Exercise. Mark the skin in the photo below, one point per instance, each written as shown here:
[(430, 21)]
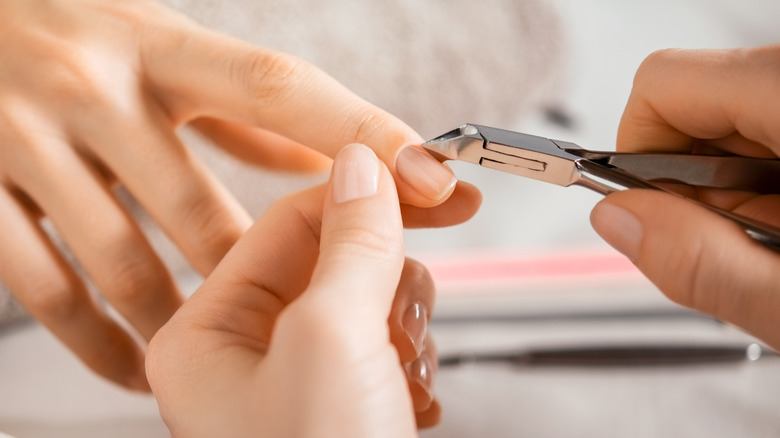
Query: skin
[(91, 94), (325, 366), (703, 101), (300, 332)]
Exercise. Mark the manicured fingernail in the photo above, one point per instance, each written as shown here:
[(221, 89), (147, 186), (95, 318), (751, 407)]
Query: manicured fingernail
[(415, 324), (355, 173), (421, 171), (619, 227), (421, 372)]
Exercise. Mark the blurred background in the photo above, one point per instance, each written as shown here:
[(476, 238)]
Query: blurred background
[(527, 272)]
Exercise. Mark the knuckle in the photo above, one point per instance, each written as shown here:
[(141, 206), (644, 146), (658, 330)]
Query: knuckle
[(215, 227), (268, 76), (32, 149), (134, 278), (374, 243), (693, 293), (74, 82), (52, 297), (371, 126), (369, 123), (714, 292)]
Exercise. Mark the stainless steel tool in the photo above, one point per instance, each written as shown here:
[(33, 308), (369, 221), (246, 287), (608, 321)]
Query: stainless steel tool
[(565, 163)]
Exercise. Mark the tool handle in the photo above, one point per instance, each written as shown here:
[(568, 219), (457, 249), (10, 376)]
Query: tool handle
[(606, 179), (757, 175)]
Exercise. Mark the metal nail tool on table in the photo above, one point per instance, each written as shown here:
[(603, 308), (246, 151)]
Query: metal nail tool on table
[(565, 164), (620, 355)]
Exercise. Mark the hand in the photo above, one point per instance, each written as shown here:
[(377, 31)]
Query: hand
[(91, 94), (702, 101), (291, 334)]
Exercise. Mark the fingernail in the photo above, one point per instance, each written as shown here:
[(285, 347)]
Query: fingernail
[(415, 324), (355, 173), (619, 227), (421, 372), (421, 171)]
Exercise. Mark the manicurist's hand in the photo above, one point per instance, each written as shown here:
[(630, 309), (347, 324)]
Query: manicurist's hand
[(91, 93), (703, 101), (312, 325)]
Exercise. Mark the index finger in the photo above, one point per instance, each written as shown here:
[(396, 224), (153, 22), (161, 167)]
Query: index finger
[(728, 97), (233, 80)]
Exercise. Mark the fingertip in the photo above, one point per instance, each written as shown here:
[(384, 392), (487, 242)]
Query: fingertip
[(423, 180), (697, 258), (460, 206), (619, 227), (470, 199)]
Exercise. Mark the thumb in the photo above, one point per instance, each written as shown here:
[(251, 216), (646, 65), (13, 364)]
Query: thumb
[(697, 258), (334, 339), (361, 245)]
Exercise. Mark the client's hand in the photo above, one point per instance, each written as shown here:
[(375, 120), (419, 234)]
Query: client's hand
[(308, 326), (91, 94), (703, 101)]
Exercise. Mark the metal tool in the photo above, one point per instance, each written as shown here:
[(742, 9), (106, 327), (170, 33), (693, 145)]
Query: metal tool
[(616, 355), (564, 163)]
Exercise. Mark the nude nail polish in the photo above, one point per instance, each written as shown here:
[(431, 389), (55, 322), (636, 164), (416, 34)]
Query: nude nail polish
[(421, 171), (355, 173), (421, 372), (415, 325)]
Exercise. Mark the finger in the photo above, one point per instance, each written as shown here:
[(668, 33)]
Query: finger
[(261, 147), (361, 246), (350, 296), (273, 263), (430, 417), (411, 311), (333, 338), (263, 88), (696, 258), (458, 208), (100, 234), (707, 94), (44, 284), (199, 215)]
